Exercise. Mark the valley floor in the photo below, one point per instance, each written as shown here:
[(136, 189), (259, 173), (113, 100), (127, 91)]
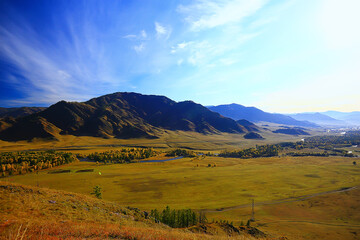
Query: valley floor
[(285, 190)]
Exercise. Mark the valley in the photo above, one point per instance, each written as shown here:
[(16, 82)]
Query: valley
[(148, 153)]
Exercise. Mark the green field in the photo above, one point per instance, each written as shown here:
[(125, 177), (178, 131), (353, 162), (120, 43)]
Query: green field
[(188, 183), (214, 183)]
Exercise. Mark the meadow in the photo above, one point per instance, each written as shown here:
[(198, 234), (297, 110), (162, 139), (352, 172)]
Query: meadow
[(168, 139), (213, 184)]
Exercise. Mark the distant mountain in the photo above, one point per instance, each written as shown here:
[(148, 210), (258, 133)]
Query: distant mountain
[(318, 118), (291, 131), (120, 115), (349, 117), (236, 112), (19, 112)]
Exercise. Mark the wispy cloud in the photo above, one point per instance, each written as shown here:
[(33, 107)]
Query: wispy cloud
[(73, 67), (139, 48), (222, 22), (141, 36), (204, 14), (162, 31)]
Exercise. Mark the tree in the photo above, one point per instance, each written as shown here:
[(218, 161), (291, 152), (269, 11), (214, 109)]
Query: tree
[(97, 192)]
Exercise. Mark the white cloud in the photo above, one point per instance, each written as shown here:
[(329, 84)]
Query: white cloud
[(204, 14), (49, 71), (162, 31), (143, 34), (139, 48), (130, 36)]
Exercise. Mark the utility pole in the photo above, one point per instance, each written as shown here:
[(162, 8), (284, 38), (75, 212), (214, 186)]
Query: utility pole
[(252, 211)]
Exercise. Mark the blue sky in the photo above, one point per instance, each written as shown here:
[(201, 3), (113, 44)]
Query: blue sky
[(280, 56)]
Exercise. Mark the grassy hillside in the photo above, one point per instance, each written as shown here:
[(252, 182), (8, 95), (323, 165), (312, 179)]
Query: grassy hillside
[(40, 213)]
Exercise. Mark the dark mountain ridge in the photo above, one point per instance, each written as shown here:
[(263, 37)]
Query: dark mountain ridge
[(236, 112), (120, 115)]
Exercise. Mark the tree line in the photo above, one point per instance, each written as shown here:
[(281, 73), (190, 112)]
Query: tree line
[(22, 162), (178, 218), (258, 151), (180, 152), (125, 155)]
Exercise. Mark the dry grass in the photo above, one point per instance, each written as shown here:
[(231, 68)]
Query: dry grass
[(168, 139), (40, 213)]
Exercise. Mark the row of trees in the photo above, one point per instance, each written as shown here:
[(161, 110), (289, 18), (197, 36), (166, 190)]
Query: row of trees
[(258, 151), (124, 155), (178, 218), (180, 152), (342, 153), (22, 162)]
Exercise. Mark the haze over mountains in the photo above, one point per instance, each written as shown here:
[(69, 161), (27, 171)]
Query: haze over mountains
[(324, 119), (253, 114), (120, 115), (318, 118)]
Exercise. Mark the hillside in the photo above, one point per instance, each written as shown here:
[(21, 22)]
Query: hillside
[(40, 213), (248, 125), (349, 117), (19, 112), (237, 111), (318, 118), (291, 131), (120, 115)]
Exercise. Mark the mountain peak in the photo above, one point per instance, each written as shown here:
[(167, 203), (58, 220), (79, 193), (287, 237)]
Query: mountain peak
[(128, 115)]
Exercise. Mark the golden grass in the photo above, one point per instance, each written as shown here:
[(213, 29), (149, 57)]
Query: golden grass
[(40, 213), (168, 139), (189, 183)]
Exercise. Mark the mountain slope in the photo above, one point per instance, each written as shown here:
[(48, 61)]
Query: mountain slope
[(19, 112), (120, 115), (318, 118), (236, 112), (349, 117)]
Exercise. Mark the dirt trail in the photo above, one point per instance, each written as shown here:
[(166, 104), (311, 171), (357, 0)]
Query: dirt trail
[(278, 201)]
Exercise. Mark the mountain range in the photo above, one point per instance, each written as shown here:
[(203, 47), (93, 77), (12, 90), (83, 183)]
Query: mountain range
[(19, 112), (253, 114), (120, 115), (318, 118), (352, 118)]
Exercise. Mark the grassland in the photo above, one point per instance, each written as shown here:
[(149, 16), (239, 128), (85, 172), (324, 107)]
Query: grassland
[(191, 183), (223, 187), (168, 139), (40, 213)]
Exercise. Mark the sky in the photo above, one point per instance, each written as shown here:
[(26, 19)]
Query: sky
[(280, 56)]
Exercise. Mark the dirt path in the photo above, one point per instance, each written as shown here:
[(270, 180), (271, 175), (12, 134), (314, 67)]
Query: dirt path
[(285, 200)]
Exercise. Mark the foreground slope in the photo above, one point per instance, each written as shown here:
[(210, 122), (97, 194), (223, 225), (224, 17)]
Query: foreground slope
[(120, 115), (237, 111), (40, 213)]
